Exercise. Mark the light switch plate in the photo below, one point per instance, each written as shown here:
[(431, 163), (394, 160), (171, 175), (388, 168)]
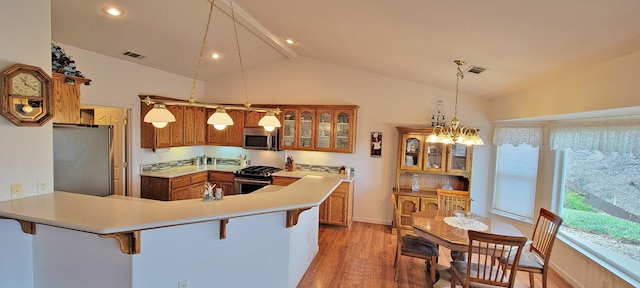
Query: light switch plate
[(43, 186), (16, 190), (183, 284)]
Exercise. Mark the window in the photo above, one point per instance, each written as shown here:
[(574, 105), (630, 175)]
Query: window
[(601, 206), (516, 169), (600, 190), (515, 183)]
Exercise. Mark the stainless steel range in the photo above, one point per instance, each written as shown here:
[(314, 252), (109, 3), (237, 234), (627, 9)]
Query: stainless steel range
[(252, 178)]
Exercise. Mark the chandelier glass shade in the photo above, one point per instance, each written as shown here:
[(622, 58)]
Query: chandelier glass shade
[(159, 116), (220, 119), (269, 121), (455, 133)]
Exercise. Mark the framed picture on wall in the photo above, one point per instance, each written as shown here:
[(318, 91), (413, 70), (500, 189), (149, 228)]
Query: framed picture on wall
[(376, 144)]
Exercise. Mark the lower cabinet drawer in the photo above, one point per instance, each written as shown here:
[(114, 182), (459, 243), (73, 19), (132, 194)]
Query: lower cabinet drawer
[(199, 178), (181, 181)]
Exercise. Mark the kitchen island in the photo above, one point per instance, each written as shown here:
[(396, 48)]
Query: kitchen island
[(263, 239)]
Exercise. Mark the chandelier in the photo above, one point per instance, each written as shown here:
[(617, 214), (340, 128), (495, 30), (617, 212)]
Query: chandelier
[(159, 116), (455, 133)]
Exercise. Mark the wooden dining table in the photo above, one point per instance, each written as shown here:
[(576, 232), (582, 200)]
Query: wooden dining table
[(431, 225)]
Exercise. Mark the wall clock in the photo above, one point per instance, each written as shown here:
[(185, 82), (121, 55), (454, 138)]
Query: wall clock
[(26, 95)]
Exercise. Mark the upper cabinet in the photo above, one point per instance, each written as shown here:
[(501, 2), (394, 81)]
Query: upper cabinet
[(327, 128), (297, 128), (195, 122), (345, 127), (66, 98), (230, 136), (325, 131), (416, 154)]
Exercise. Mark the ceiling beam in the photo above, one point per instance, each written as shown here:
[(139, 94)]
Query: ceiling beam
[(248, 22)]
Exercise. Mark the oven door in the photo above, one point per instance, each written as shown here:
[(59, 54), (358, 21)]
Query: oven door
[(246, 185)]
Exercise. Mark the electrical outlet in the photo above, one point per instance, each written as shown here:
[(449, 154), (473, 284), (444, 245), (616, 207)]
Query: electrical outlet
[(43, 186), (183, 284), (16, 190)]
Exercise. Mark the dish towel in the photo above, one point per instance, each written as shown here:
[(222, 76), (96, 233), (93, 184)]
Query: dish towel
[(475, 225)]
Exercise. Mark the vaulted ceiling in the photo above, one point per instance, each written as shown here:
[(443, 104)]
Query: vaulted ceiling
[(519, 42)]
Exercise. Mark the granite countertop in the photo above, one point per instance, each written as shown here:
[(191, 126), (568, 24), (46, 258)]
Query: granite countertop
[(104, 215), (185, 170)]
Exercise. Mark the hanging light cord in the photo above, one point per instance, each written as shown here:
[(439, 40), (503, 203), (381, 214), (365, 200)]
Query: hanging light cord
[(459, 76), (204, 40), (235, 31)]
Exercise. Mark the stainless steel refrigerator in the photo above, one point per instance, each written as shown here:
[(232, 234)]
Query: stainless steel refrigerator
[(83, 159)]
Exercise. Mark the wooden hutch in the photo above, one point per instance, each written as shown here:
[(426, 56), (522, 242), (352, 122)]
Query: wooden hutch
[(433, 165)]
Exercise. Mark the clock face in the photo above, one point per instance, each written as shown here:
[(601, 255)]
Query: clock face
[(26, 84)]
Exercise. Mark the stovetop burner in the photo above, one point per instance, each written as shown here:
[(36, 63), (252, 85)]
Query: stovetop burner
[(260, 171)]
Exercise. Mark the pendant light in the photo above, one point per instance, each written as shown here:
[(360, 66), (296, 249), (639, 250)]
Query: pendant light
[(159, 116), (456, 133), (269, 122)]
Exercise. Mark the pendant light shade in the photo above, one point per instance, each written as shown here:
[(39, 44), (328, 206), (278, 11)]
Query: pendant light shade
[(269, 121), (159, 116), (220, 119)]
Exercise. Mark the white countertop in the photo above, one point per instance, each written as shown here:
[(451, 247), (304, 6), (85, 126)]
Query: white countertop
[(300, 174), (104, 215)]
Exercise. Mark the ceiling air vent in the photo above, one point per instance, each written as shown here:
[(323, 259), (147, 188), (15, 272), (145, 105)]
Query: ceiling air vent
[(476, 70), (133, 55)]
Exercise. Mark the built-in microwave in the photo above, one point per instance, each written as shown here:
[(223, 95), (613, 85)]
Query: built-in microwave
[(260, 139)]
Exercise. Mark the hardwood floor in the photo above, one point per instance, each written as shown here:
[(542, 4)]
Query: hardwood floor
[(363, 257)]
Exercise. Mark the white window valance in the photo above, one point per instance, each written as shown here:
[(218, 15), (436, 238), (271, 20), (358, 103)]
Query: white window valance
[(518, 133), (621, 136)]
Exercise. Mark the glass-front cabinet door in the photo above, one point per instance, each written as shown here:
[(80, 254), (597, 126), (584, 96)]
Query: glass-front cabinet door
[(458, 160), (324, 132), (411, 148), (289, 128), (435, 157), (343, 131), (306, 129)]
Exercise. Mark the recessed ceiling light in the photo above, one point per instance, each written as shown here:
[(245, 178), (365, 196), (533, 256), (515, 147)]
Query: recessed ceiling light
[(112, 11), (289, 41), (214, 56)]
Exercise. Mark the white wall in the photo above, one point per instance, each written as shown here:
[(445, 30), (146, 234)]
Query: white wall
[(26, 152), (384, 104), (607, 89)]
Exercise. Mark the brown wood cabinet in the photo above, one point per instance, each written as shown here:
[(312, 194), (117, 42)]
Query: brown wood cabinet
[(252, 118), (302, 127), (66, 99), (176, 129), (223, 180), (409, 202), (231, 135), (169, 189), (436, 163), (283, 181), (150, 136), (194, 125), (327, 128), (337, 209)]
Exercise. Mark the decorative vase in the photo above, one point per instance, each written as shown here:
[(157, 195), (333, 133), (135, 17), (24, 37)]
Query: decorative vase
[(415, 186)]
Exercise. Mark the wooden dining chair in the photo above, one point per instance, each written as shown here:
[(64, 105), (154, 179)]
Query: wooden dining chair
[(453, 200), (413, 246), (480, 268), (536, 258)]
